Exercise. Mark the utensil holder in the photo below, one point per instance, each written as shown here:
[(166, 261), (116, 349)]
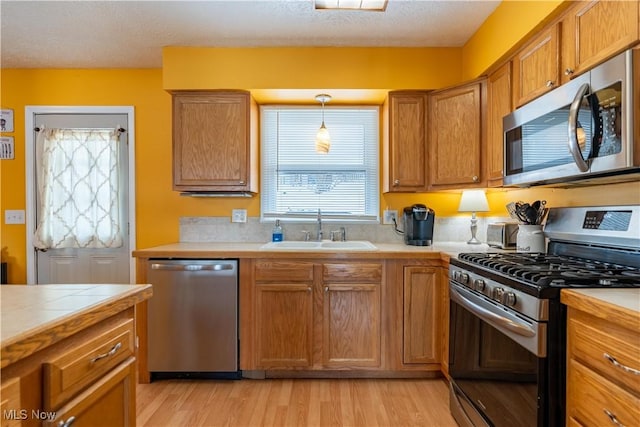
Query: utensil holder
[(530, 238)]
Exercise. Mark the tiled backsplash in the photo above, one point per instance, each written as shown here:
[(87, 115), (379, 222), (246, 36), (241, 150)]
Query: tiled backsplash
[(220, 229)]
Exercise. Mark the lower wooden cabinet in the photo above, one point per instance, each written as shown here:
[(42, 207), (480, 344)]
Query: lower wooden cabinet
[(351, 325), (603, 370), (317, 315), (387, 316), (86, 379), (10, 403), (108, 402), (421, 315), (284, 325)]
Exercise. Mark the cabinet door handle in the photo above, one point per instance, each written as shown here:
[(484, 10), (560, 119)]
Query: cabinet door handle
[(568, 71), (549, 83), (67, 423), (619, 365), (396, 182), (109, 353), (326, 289), (308, 288), (613, 418), (475, 178)]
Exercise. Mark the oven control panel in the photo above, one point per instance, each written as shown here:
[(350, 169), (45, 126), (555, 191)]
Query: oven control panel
[(500, 294), (607, 220)]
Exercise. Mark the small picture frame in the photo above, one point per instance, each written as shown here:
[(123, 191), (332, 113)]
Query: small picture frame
[(6, 120), (7, 151)]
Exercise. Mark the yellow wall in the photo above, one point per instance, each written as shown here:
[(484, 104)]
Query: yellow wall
[(266, 71), (504, 28), (310, 67)]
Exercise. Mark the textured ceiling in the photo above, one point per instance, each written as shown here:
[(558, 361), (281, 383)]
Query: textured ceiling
[(131, 34)]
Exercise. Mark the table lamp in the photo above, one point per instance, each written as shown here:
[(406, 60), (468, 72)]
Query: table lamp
[(473, 201)]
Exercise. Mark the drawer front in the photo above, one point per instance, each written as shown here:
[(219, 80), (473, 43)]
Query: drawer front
[(594, 401), (352, 272), (71, 372), (613, 353), (109, 402), (11, 411), (284, 271)]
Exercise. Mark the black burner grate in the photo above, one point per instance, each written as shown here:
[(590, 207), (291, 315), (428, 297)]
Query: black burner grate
[(555, 270)]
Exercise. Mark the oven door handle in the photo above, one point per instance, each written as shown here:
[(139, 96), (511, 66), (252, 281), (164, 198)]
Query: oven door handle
[(485, 311)]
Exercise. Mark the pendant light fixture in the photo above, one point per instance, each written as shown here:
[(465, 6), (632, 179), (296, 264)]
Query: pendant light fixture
[(323, 139)]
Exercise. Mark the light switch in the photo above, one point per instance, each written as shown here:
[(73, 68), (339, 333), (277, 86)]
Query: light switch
[(13, 216)]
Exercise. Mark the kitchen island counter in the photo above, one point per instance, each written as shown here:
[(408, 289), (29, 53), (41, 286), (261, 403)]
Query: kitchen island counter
[(69, 353), (621, 306), (35, 317)]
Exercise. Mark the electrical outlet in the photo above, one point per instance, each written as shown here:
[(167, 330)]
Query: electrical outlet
[(14, 216), (239, 215), (390, 215)]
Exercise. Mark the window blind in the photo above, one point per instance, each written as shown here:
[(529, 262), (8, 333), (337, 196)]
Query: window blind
[(297, 181)]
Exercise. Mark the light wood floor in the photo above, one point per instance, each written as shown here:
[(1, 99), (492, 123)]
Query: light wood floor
[(297, 402)]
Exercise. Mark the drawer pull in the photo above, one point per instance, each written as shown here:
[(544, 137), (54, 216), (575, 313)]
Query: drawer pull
[(617, 364), (111, 352), (613, 418), (67, 423)]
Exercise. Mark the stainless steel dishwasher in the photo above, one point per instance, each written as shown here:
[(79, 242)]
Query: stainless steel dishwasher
[(192, 318)]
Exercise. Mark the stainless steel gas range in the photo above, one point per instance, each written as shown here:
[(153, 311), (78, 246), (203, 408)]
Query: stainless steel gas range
[(508, 327)]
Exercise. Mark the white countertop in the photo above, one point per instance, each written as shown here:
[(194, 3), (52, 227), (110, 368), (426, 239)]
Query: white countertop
[(450, 249), (30, 312), (627, 299)]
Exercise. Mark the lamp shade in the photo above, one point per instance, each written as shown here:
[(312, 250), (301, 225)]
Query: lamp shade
[(473, 201), (323, 140)]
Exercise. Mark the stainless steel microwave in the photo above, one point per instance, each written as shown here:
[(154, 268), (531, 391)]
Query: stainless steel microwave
[(582, 129)]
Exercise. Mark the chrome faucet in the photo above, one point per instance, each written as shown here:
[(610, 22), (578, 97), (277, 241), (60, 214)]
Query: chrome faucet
[(319, 232)]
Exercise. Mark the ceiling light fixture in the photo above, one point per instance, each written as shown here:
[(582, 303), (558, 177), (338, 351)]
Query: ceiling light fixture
[(323, 139), (375, 5)]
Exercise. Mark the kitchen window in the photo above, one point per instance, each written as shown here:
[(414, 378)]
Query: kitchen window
[(297, 181)]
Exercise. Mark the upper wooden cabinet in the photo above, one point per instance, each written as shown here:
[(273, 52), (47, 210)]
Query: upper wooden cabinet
[(594, 31), (405, 142), (457, 136), (498, 106), (536, 67), (586, 34), (214, 141)]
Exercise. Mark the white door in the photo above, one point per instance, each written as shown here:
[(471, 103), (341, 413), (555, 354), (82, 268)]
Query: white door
[(85, 265)]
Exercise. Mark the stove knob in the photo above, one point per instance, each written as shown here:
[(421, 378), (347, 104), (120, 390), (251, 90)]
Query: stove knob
[(456, 275), (509, 298), (497, 294), (480, 285), (464, 278)]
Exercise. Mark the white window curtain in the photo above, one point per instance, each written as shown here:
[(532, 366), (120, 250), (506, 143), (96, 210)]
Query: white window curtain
[(79, 189), (297, 181)]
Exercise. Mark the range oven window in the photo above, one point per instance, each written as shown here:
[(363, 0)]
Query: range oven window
[(496, 373)]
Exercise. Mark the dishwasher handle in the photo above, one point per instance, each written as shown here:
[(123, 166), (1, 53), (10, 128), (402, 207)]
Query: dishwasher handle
[(192, 267)]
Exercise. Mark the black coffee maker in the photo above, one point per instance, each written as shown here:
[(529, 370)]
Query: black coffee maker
[(418, 225)]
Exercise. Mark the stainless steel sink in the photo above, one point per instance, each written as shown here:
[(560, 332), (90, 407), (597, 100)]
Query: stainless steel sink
[(352, 245)]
